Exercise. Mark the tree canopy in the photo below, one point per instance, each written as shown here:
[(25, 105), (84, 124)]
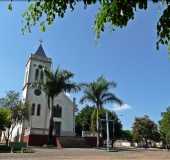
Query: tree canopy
[(165, 126), (127, 135), (145, 129), (10, 100), (5, 118), (13, 111), (85, 120), (115, 12)]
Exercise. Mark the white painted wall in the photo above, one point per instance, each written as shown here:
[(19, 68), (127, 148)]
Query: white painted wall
[(42, 121)]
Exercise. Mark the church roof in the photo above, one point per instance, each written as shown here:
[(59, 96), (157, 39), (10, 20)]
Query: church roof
[(40, 52)]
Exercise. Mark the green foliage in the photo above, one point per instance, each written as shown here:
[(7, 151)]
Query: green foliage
[(5, 149), (127, 135), (57, 82), (145, 129), (19, 110), (13, 112), (17, 146), (10, 7), (165, 126), (98, 92), (11, 99), (115, 127), (83, 120), (86, 121), (5, 118), (115, 12)]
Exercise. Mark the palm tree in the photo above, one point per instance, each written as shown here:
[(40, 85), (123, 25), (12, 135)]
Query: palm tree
[(97, 93), (55, 83)]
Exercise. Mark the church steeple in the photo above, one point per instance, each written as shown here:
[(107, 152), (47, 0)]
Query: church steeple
[(40, 52)]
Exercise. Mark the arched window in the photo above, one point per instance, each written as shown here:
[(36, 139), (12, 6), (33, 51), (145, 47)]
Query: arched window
[(57, 111), (38, 109), (36, 74)]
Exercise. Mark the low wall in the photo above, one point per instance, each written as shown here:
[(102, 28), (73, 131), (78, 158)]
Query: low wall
[(40, 140), (91, 141), (37, 140)]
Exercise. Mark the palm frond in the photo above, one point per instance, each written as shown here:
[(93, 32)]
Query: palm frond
[(111, 98), (88, 97), (72, 87), (98, 92)]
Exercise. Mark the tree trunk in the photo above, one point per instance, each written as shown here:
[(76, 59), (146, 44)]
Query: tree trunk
[(97, 127), (146, 143), (51, 124)]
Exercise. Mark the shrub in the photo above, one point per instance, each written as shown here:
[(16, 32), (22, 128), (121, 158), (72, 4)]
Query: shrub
[(5, 149)]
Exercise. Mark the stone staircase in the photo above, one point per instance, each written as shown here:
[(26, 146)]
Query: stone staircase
[(73, 142)]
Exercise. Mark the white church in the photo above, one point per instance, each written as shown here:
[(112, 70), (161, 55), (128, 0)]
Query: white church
[(35, 131)]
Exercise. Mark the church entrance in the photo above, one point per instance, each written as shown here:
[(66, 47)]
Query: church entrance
[(57, 128)]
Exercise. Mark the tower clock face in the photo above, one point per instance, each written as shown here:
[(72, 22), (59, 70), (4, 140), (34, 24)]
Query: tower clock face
[(37, 92)]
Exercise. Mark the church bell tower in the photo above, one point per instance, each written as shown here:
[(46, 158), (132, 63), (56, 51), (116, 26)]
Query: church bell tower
[(37, 100)]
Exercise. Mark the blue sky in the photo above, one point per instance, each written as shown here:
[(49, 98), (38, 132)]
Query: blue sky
[(127, 56)]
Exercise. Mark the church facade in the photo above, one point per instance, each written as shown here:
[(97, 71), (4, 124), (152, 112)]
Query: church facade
[(35, 130)]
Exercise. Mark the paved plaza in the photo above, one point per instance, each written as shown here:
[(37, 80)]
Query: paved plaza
[(87, 154)]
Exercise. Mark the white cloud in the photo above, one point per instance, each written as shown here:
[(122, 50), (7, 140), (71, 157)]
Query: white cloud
[(124, 107)]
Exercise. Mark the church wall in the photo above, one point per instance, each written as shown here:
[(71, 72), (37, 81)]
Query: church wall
[(67, 115), (38, 121), (38, 125)]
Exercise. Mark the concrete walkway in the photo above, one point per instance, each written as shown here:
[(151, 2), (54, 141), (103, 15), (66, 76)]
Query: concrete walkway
[(87, 154)]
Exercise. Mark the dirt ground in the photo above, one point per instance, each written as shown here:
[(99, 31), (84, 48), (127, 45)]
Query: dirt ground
[(87, 154)]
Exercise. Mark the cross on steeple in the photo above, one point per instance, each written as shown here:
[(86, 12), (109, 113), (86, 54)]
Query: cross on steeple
[(41, 41)]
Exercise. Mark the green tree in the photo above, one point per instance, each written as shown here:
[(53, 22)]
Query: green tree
[(164, 125), (115, 12), (115, 127), (16, 112), (98, 93), (144, 129), (56, 82), (5, 117), (85, 120), (10, 100)]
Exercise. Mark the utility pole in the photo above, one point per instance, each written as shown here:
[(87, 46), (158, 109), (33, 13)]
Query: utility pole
[(108, 136)]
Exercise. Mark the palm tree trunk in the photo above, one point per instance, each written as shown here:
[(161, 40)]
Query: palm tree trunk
[(97, 127), (51, 124)]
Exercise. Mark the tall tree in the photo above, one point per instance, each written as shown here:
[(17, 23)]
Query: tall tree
[(164, 125), (56, 83), (98, 93), (145, 129), (115, 12)]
